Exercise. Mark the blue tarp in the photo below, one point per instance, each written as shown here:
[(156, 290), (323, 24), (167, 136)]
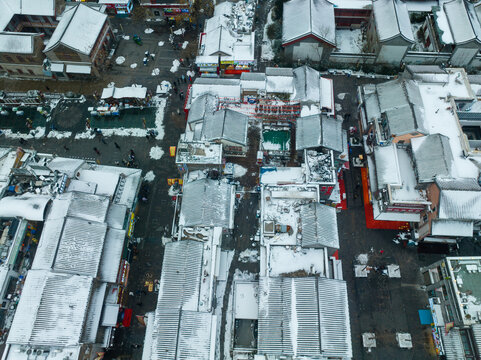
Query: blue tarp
[(425, 317)]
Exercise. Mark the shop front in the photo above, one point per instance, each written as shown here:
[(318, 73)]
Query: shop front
[(174, 13), (208, 66), (236, 67), (119, 8)]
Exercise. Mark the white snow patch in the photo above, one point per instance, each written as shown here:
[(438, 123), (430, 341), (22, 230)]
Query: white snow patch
[(156, 152), (150, 176), (310, 110), (243, 275), (148, 31), (59, 134), (362, 258), (133, 66), (159, 116), (179, 31), (85, 135), (174, 192), (249, 255), (164, 87), (267, 52), (338, 107), (190, 73), (341, 96), (349, 41), (120, 60), (184, 45), (155, 72), (115, 31), (126, 37), (111, 84), (239, 171), (161, 43), (175, 66), (285, 260), (37, 133)]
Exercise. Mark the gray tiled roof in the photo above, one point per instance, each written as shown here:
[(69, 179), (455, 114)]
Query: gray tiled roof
[(458, 184), (226, 125), (307, 84), (202, 106), (319, 130), (433, 157), (319, 226)]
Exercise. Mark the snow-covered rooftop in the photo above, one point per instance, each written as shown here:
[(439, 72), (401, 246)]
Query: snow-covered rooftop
[(28, 206), (295, 261), (17, 43), (134, 91), (52, 309), (24, 7), (460, 205), (463, 21), (319, 131), (207, 202), (78, 29), (222, 88), (198, 152), (281, 206), (392, 19), (308, 18), (226, 125), (282, 175), (433, 157), (304, 317), (319, 226)]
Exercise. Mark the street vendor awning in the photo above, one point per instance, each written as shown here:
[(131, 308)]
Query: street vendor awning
[(56, 67), (134, 91), (78, 69)]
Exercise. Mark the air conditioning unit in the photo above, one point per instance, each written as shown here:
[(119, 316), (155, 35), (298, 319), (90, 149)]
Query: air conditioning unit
[(437, 301)]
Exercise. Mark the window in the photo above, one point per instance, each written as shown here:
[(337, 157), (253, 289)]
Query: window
[(30, 72), (20, 71), (156, 13), (20, 59)]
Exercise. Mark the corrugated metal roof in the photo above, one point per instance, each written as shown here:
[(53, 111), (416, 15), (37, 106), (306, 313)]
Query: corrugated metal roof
[(249, 76), (65, 165), (87, 206), (111, 255), (181, 275), (460, 205), (303, 317), (116, 216), (92, 320), (334, 318), (165, 334), (194, 335), (432, 156), (51, 310), (308, 17), (453, 345), (392, 19), (206, 202), (319, 226), (476, 328), (80, 247), (467, 184), (270, 323), (307, 84)]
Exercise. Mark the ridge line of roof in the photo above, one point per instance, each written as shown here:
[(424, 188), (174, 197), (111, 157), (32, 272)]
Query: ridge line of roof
[(65, 29)]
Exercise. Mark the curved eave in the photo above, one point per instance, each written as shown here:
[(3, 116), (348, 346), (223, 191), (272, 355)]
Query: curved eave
[(305, 36)]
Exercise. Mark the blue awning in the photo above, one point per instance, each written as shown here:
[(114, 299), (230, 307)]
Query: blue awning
[(425, 317)]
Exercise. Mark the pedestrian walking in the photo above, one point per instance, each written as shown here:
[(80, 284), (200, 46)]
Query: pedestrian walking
[(183, 78), (46, 87), (181, 95), (144, 124), (147, 137), (66, 148), (178, 111), (175, 89), (175, 83), (22, 141), (97, 151), (117, 145), (190, 79), (103, 140), (381, 251), (132, 152)]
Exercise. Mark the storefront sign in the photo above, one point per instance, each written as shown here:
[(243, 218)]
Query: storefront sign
[(172, 11), (123, 275), (130, 232), (227, 62)]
